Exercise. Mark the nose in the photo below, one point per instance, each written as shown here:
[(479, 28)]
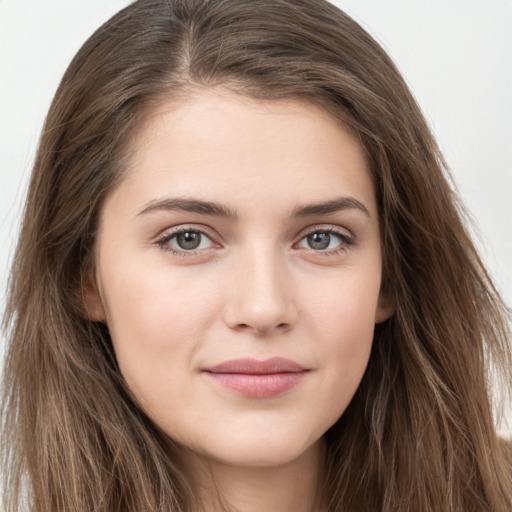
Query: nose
[(260, 295)]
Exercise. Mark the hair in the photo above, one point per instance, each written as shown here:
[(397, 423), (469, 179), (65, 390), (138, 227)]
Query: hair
[(419, 433)]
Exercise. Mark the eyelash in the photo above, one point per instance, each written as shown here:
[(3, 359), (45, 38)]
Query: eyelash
[(167, 237), (346, 241)]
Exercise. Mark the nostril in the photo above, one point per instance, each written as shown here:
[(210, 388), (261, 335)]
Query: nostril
[(260, 307)]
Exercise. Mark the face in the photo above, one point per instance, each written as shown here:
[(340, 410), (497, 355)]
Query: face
[(238, 271)]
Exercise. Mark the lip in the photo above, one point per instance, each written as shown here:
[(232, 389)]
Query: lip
[(257, 379)]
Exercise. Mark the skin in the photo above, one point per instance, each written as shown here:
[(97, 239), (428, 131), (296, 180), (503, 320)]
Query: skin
[(255, 287)]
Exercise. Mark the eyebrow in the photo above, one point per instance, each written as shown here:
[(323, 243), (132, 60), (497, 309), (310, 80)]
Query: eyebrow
[(333, 206), (218, 210), (190, 205)]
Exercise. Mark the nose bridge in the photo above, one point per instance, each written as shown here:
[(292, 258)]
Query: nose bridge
[(260, 294)]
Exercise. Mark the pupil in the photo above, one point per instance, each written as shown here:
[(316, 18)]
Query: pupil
[(189, 240), (319, 240)]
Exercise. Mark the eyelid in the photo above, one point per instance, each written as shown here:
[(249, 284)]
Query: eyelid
[(328, 228), (170, 233), (347, 239), (346, 236)]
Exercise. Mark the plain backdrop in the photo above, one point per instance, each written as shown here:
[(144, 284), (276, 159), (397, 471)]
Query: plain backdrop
[(456, 56)]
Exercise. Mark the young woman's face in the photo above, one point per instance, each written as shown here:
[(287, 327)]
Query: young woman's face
[(239, 269)]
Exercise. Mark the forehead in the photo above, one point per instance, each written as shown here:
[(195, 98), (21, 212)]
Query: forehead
[(225, 146)]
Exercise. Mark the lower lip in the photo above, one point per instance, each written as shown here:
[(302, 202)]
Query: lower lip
[(257, 386)]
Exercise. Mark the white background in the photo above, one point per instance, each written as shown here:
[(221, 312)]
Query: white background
[(456, 55)]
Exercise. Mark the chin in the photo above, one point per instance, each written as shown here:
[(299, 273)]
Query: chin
[(258, 451)]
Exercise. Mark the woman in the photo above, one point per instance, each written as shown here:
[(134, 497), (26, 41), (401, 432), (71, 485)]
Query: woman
[(243, 281)]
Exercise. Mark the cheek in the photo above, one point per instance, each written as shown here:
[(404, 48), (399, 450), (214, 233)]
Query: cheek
[(344, 309), (155, 299), (342, 320), (156, 319)]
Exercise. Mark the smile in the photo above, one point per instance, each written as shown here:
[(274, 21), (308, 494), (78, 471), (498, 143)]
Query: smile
[(257, 379)]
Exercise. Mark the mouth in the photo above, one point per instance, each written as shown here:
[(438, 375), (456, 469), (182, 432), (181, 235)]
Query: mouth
[(257, 379)]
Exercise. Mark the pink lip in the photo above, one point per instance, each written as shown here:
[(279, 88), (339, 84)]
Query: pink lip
[(257, 379)]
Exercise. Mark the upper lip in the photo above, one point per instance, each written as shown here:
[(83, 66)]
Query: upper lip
[(255, 367)]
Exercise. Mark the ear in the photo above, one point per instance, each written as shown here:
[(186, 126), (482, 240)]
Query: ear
[(92, 303), (385, 308)]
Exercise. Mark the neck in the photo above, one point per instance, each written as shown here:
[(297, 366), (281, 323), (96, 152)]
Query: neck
[(290, 487)]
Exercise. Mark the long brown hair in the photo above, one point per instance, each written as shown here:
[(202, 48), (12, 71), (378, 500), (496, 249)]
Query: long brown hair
[(418, 435)]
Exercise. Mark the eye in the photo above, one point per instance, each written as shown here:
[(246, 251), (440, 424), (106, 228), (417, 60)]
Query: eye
[(185, 240), (326, 240)]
